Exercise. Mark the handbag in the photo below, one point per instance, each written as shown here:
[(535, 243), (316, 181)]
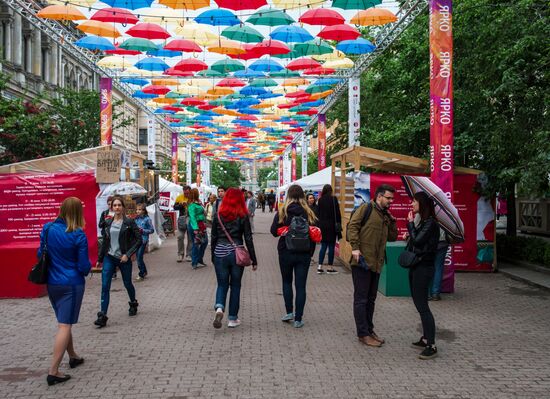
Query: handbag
[(241, 253), (39, 272), (337, 225), (408, 258)]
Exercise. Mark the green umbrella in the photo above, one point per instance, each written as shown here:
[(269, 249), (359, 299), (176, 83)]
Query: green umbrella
[(243, 33), (355, 4), (298, 108), (234, 96), (317, 88), (220, 103), (208, 73), (264, 82), (227, 65), (138, 44), (313, 47), (285, 73), (270, 17), (301, 118)]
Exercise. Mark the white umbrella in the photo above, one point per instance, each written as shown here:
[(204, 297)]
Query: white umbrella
[(123, 188)]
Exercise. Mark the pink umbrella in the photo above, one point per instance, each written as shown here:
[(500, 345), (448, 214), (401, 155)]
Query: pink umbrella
[(321, 16), (302, 63), (183, 45), (339, 32), (269, 47), (190, 65), (117, 15), (148, 31)]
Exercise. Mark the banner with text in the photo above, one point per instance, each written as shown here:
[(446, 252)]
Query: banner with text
[(106, 111), (322, 140), (151, 140), (293, 165), (175, 158)]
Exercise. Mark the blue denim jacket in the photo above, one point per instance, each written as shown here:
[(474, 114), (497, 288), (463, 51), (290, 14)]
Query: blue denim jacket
[(68, 254), (146, 226)]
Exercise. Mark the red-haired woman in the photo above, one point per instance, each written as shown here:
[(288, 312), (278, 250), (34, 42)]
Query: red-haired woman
[(231, 219)]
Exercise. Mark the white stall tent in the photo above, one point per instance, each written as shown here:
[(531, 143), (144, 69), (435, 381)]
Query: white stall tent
[(313, 182), (172, 189)]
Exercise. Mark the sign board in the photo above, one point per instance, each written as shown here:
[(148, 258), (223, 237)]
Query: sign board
[(108, 166)]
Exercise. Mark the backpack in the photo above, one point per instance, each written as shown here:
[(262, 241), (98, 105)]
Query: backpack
[(363, 221), (297, 237)]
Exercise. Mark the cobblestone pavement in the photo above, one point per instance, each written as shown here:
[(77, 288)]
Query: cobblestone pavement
[(493, 338)]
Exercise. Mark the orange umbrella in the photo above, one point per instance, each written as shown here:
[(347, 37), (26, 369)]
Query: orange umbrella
[(323, 94), (165, 82), (185, 4), (220, 91), (61, 13), (99, 28), (373, 16), (225, 46), (164, 100), (224, 111)]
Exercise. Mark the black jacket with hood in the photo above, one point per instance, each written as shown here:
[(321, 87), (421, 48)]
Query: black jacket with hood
[(294, 209)]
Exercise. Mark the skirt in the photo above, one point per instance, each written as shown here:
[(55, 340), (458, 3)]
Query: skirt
[(66, 301)]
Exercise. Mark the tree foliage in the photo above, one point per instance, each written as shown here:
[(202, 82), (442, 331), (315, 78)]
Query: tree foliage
[(265, 174), (226, 174)]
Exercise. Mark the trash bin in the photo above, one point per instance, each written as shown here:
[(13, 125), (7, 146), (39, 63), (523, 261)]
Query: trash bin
[(394, 280)]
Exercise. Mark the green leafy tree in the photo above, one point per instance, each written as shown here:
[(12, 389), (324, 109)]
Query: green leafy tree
[(166, 170), (226, 174), (265, 174)]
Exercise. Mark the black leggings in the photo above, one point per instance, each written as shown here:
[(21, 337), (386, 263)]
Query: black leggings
[(419, 280)]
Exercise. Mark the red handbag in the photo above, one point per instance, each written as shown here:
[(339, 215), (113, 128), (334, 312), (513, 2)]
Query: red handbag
[(241, 253)]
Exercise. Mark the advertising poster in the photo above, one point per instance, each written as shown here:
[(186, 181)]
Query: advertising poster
[(106, 111), (27, 202), (322, 140)]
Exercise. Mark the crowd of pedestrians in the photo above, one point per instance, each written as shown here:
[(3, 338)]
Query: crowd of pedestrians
[(230, 218)]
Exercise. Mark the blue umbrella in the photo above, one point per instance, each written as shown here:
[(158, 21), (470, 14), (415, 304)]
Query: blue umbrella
[(249, 73), (95, 43), (135, 81), (357, 46), (140, 94), (266, 65), (291, 34), (249, 111), (314, 103), (129, 4), (164, 111), (217, 17), (161, 52), (152, 64), (253, 91), (202, 118), (326, 81), (269, 94)]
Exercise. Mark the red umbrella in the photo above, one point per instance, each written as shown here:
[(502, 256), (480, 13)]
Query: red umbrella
[(207, 107), (285, 106), (175, 72), (197, 126), (183, 45), (231, 82), (155, 89), (191, 65), (148, 31), (269, 47), (247, 55), (238, 5), (319, 71), (302, 63), (339, 32), (171, 108), (121, 51), (321, 16), (312, 111), (248, 118), (118, 15), (192, 101), (296, 94)]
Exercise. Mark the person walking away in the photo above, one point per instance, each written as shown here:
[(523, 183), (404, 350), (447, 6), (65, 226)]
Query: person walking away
[(439, 266), (423, 241), (145, 226), (182, 233), (251, 204), (121, 240), (231, 220), (271, 200), (292, 261), (262, 200), (369, 228), (197, 227), (330, 222), (67, 248)]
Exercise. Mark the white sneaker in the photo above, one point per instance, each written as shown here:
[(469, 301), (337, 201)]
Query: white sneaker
[(234, 323), (139, 278), (188, 259)]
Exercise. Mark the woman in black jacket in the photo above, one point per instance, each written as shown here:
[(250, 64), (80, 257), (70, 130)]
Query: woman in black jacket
[(121, 240), (230, 219), (291, 262), (423, 239), (328, 213)]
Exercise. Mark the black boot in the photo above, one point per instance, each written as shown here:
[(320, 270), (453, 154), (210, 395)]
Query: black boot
[(101, 320), (132, 311)]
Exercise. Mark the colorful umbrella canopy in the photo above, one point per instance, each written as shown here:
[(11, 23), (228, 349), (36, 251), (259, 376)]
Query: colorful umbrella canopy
[(355, 4), (138, 44), (148, 31), (99, 28), (291, 33), (217, 17), (321, 16), (187, 46), (357, 46), (61, 13), (243, 33), (270, 17), (129, 4), (238, 5), (117, 15), (302, 63), (266, 65), (373, 16), (95, 43), (339, 32)]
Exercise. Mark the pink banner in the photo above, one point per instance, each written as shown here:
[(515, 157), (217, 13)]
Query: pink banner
[(198, 167), (293, 162), (322, 140), (281, 177), (106, 110), (175, 157)]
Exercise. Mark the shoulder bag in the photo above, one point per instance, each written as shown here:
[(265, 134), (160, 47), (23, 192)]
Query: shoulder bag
[(337, 225), (408, 258), (241, 253), (39, 272)]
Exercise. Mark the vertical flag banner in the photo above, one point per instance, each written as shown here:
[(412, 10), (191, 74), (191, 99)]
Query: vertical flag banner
[(322, 140), (151, 141), (304, 155), (280, 171), (106, 110), (441, 109), (198, 167), (188, 156), (174, 157), (354, 99), (293, 165)]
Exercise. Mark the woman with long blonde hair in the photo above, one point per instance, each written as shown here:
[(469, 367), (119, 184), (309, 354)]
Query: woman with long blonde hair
[(67, 248), (294, 260)]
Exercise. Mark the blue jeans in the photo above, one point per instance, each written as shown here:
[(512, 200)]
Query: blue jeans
[(323, 250), (140, 262), (439, 264), (197, 251), (228, 275), (109, 266), (297, 264)]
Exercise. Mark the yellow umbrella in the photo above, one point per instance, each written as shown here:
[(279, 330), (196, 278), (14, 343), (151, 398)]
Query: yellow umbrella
[(225, 46), (185, 4), (198, 33), (335, 55), (285, 90), (61, 13), (291, 4), (344, 63), (165, 82), (198, 82), (99, 28), (295, 82), (79, 3), (162, 16), (141, 72), (373, 16), (113, 62)]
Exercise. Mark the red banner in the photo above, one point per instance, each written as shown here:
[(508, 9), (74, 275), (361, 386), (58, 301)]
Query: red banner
[(175, 158), (106, 110), (322, 140), (198, 167), (27, 202), (281, 177), (293, 160)]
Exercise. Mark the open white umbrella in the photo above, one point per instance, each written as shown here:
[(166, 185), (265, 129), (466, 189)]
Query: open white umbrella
[(123, 188)]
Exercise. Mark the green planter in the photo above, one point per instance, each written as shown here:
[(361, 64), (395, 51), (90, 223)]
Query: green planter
[(394, 280)]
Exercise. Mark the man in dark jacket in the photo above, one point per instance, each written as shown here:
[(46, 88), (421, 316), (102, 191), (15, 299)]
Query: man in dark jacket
[(368, 243), (271, 199)]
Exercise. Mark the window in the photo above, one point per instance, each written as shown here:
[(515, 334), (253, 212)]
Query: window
[(142, 136)]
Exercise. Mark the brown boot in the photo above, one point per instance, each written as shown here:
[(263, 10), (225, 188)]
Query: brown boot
[(376, 337), (369, 341)]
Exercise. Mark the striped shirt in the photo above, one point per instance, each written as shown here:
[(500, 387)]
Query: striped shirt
[(223, 249)]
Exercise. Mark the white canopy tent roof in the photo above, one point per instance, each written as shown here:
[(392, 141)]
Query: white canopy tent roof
[(313, 182), (169, 187)]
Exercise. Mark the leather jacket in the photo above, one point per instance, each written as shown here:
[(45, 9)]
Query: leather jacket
[(237, 229), (424, 238), (129, 238)]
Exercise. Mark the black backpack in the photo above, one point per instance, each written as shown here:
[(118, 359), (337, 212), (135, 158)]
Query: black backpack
[(363, 221), (297, 238)]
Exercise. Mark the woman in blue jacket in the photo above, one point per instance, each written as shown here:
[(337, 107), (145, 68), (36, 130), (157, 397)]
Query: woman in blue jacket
[(67, 248), (145, 226)]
